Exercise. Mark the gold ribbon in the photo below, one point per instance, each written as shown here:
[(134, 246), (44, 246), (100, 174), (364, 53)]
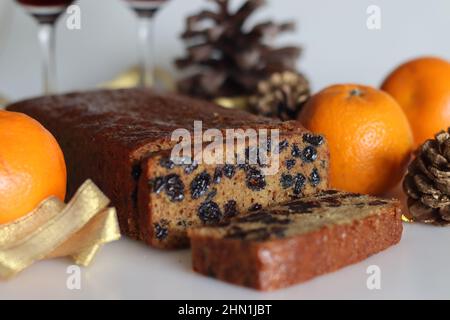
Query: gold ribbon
[(130, 79), (3, 102), (406, 219), (239, 102), (53, 229)]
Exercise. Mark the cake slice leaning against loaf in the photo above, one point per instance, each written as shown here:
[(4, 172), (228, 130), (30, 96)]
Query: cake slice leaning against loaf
[(296, 241)]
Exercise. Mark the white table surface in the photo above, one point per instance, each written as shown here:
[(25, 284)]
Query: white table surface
[(338, 48)]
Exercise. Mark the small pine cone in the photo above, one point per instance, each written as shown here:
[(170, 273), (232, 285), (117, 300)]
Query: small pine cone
[(427, 182), (281, 96)]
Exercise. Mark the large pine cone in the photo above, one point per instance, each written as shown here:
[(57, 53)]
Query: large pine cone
[(427, 182), (226, 56)]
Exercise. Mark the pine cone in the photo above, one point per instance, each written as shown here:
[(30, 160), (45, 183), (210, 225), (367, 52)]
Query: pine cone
[(225, 59), (281, 96), (427, 182)]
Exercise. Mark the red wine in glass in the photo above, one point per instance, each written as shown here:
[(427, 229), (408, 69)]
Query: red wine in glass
[(146, 7), (146, 10), (46, 12)]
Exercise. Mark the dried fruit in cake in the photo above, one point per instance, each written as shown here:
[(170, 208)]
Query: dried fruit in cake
[(230, 209), (422, 88), (283, 145), (299, 183), (314, 177), (191, 167), (229, 170), (209, 212), (200, 185), (369, 136), (174, 187), (286, 181), (255, 179), (161, 231), (290, 163), (217, 175), (309, 154), (32, 166), (315, 140), (296, 152)]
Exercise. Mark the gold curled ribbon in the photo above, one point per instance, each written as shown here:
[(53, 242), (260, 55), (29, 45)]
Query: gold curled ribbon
[(240, 102), (3, 102), (54, 229), (130, 79), (406, 219)]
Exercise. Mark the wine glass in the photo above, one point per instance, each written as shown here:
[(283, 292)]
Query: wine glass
[(46, 12), (146, 10), (5, 20)]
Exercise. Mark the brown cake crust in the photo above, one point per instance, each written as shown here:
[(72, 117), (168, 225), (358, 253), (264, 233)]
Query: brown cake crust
[(109, 135), (277, 263)]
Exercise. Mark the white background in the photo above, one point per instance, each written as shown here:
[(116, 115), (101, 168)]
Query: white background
[(338, 47)]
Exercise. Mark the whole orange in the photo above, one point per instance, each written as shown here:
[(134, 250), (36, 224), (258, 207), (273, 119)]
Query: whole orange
[(368, 134), (32, 166), (422, 88)]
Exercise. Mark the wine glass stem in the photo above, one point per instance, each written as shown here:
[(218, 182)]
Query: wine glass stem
[(46, 35), (146, 54)]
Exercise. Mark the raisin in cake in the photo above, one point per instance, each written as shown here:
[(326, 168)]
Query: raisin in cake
[(296, 241), (121, 139)]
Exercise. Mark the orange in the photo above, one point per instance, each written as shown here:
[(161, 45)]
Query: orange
[(32, 166), (422, 88), (368, 134)]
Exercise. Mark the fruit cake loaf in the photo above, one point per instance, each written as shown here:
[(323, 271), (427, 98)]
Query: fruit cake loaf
[(121, 139), (296, 241)]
